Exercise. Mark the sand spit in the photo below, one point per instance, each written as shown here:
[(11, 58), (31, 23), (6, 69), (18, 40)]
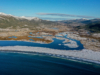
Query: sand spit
[(72, 44), (84, 55)]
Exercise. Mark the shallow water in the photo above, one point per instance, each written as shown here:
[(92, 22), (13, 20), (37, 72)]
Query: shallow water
[(12, 37), (55, 28), (33, 64), (53, 45)]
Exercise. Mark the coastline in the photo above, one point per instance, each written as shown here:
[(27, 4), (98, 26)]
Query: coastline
[(80, 55), (28, 41)]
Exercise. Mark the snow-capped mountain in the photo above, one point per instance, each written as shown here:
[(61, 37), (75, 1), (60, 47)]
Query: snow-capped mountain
[(8, 20), (3, 14), (29, 18), (22, 17)]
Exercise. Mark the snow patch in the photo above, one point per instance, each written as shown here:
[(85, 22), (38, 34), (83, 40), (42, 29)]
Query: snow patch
[(71, 44), (22, 17)]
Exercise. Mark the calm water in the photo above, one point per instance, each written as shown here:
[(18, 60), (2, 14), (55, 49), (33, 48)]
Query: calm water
[(53, 45), (32, 64)]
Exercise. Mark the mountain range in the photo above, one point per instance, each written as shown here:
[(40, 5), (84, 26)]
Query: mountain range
[(10, 21), (79, 22), (7, 20)]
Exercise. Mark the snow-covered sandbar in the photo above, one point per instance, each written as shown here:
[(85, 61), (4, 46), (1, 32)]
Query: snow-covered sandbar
[(84, 55)]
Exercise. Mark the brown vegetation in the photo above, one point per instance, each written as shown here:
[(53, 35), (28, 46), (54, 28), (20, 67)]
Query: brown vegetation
[(88, 36), (25, 38)]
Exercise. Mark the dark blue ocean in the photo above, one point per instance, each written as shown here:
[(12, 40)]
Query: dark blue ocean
[(32, 64)]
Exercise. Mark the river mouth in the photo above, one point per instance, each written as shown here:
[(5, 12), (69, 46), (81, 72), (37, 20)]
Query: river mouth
[(13, 63)]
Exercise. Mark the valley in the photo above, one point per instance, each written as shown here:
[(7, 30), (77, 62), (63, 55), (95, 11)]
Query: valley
[(42, 31)]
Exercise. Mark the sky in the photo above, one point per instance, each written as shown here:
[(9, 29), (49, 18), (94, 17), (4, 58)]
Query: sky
[(52, 9)]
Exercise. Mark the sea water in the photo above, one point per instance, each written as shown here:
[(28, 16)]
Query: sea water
[(13, 63)]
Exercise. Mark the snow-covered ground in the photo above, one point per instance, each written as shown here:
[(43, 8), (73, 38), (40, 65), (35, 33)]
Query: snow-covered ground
[(71, 44), (22, 17), (87, 55)]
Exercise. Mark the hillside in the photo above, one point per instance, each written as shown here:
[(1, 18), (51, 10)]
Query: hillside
[(22, 22), (92, 27), (79, 22)]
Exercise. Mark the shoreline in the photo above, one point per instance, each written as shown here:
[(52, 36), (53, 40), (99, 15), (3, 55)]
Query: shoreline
[(80, 55), (57, 56), (27, 41)]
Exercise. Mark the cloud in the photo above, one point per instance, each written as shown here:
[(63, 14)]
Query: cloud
[(50, 18), (65, 15)]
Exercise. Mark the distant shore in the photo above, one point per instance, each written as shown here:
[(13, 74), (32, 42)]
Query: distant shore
[(82, 55)]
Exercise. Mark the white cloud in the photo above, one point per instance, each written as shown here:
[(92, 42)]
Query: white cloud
[(65, 15)]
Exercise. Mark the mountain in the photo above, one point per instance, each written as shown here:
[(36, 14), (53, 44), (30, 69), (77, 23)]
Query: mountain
[(7, 20), (92, 25), (80, 22), (22, 17)]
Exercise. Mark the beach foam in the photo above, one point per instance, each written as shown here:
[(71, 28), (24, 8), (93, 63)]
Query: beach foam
[(87, 55)]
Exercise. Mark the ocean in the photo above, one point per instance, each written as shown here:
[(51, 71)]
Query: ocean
[(19, 63)]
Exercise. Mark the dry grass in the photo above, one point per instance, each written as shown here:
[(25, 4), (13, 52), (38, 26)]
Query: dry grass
[(87, 36), (25, 38)]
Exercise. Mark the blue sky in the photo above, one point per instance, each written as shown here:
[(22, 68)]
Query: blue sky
[(52, 9)]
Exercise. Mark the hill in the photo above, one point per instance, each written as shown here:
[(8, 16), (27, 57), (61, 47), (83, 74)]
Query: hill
[(92, 27), (79, 22), (22, 22)]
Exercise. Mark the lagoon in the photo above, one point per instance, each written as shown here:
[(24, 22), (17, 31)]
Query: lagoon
[(53, 45), (56, 44)]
